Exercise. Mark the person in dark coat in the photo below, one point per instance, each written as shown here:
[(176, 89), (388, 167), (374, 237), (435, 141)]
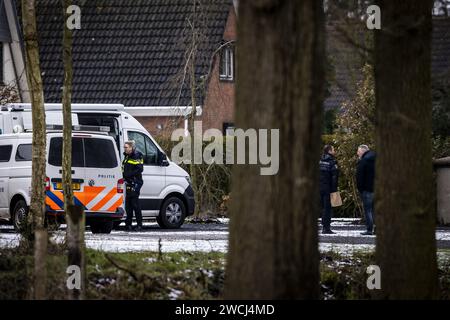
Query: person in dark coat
[(365, 178), (329, 173), (132, 168)]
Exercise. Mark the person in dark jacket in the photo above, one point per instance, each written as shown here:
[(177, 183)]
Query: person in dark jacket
[(132, 168), (328, 184), (365, 178)]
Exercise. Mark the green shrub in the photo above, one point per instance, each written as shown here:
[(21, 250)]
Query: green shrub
[(355, 126), (441, 147), (211, 182)]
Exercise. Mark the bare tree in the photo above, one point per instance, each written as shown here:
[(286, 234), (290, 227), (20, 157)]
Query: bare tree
[(405, 215), (9, 93), (280, 82), (194, 42), (37, 206), (193, 87)]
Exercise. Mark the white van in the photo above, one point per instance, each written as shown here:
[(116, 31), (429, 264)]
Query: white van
[(166, 195), (96, 178)]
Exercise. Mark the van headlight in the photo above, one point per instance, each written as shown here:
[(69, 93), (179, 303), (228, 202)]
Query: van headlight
[(188, 180)]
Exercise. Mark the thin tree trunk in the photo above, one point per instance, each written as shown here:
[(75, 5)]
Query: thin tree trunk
[(280, 82), (192, 166), (74, 214), (191, 120), (404, 212), (67, 112), (37, 206), (40, 268), (75, 244)]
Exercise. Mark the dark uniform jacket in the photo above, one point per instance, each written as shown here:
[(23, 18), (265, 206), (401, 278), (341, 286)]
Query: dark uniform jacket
[(365, 172), (329, 173), (132, 168)]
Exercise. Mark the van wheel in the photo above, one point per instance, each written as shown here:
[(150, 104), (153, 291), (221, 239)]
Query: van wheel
[(20, 214), (172, 214), (101, 227)]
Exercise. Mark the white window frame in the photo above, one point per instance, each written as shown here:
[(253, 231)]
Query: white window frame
[(227, 58)]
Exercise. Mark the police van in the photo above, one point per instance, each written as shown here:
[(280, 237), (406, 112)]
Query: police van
[(166, 195), (96, 178)]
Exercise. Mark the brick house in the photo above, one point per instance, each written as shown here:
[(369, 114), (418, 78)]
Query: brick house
[(347, 59), (137, 53), (134, 52)]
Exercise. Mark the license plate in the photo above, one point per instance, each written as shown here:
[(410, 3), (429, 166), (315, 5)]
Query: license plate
[(75, 186)]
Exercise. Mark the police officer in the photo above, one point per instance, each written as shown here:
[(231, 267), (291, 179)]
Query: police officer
[(328, 184), (365, 179), (132, 167)]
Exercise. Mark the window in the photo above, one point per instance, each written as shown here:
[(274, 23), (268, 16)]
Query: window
[(55, 152), (5, 153), (23, 152), (145, 146), (99, 153), (102, 119), (226, 67), (86, 153)]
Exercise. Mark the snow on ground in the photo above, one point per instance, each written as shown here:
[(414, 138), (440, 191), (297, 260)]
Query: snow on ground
[(345, 233), (223, 220), (443, 235), (9, 240), (166, 246), (345, 249), (344, 222), (208, 237), (440, 235)]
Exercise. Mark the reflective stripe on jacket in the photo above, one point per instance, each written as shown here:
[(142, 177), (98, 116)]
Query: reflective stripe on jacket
[(132, 167)]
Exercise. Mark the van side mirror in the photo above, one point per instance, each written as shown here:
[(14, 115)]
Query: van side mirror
[(163, 162)]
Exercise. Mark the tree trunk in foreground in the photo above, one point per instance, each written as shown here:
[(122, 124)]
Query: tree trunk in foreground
[(280, 81), (37, 206), (74, 214), (404, 212)]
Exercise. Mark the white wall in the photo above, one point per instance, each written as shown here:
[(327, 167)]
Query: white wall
[(15, 48), (9, 76)]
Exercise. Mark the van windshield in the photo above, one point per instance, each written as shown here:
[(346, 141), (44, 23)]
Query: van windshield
[(86, 153)]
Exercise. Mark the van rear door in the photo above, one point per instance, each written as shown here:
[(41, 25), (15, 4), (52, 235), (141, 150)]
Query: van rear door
[(102, 170), (55, 197)]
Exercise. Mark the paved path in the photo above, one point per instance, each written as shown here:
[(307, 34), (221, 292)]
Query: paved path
[(210, 237)]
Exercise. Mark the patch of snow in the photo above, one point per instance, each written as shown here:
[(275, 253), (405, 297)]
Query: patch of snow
[(443, 235), (152, 245), (150, 260), (9, 240), (345, 233), (207, 273), (162, 234), (224, 220), (346, 249), (174, 294)]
